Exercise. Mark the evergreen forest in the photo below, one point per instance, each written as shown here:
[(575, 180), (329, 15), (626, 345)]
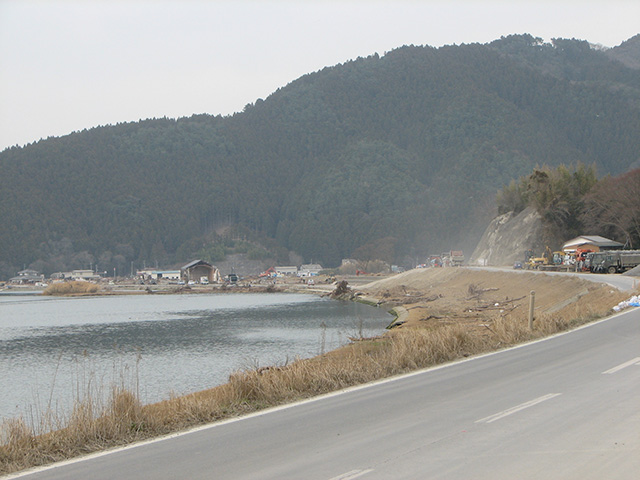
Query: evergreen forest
[(390, 157)]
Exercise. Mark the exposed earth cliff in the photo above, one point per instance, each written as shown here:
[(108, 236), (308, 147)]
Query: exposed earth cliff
[(508, 236)]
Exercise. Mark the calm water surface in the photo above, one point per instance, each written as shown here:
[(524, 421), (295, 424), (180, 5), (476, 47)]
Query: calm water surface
[(54, 350)]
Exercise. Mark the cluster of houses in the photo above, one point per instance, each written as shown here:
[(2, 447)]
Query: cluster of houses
[(195, 272), (33, 277), (201, 272)]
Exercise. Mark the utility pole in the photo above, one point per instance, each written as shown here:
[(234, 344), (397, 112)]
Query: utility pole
[(532, 299)]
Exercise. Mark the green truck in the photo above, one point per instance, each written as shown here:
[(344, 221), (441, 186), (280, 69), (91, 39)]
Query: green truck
[(613, 261)]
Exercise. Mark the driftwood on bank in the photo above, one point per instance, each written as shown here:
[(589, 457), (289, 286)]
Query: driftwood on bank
[(342, 289)]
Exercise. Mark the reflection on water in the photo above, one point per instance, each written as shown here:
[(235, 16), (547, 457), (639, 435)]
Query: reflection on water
[(50, 348)]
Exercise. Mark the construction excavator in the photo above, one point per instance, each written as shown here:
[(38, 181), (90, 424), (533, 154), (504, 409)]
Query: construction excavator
[(551, 261)]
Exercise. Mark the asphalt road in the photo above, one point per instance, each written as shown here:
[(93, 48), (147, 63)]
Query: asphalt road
[(621, 282), (564, 408)]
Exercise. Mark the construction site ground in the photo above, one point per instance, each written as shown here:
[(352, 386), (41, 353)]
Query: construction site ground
[(474, 297)]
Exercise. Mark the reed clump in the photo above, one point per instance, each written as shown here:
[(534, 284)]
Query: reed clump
[(71, 288), (93, 426)]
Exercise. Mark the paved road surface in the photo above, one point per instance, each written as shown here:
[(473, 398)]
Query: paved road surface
[(564, 408), (621, 282)]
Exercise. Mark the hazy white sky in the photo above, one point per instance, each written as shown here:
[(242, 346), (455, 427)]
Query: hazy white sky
[(66, 65)]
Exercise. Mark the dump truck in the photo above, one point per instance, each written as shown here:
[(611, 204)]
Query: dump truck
[(614, 261), (456, 257)]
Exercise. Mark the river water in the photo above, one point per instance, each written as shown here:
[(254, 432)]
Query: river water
[(54, 351)]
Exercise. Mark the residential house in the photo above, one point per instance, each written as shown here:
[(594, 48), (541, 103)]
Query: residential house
[(591, 242), (310, 269), (26, 277), (84, 275), (153, 274), (286, 270)]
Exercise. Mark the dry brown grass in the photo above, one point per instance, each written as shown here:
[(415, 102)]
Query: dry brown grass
[(93, 427), (88, 428), (71, 288)]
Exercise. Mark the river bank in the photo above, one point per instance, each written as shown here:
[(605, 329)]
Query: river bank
[(320, 284), (449, 314)]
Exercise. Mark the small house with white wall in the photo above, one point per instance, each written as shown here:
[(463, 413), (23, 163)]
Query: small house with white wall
[(165, 274), (309, 270), (84, 275), (591, 242), (286, 270), (152, 274)]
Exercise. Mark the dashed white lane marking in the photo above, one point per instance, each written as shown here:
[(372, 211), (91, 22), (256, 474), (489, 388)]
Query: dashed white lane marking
[(352, 474), (517, 408), (635, 361)]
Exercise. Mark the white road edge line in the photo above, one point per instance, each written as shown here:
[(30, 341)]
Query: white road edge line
[(517, 408), (90, 456), (635, 361), (352, 474)]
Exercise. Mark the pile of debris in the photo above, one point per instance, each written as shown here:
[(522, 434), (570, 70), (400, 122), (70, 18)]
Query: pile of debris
[(632, 302), (342, 290)]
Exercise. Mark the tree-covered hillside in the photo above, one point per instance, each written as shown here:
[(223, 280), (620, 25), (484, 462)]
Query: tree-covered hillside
[(571, 200), (391, 157)]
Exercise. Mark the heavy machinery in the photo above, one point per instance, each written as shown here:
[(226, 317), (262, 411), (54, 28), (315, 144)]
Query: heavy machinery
[(535, 263), (583, 259), (550, 261)]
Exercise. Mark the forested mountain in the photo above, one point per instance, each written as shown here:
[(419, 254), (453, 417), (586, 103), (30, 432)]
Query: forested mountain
[(391, 157), (627, 52)]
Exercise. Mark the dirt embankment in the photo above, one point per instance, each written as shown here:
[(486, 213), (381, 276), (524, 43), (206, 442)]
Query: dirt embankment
[(475, 298)]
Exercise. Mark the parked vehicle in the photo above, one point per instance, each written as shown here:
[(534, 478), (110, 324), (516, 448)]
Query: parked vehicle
[(614, 261), (548, 261), (583, 259), (456, 257), (435, 261)]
